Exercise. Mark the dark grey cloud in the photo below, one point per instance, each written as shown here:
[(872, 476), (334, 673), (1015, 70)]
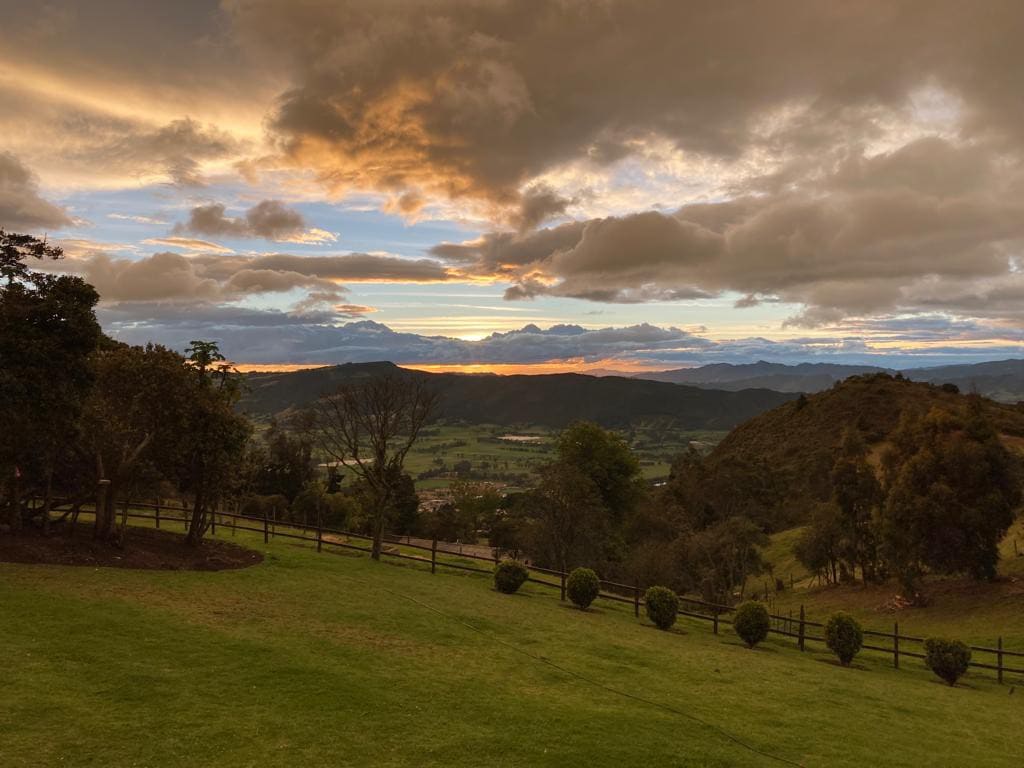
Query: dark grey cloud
[(356, 266), (22, 208), (269, 219), (171, 278), (537, 205), (926, 227), (480, 97)]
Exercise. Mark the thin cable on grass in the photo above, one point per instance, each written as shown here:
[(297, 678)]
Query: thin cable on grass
[(583, 678)]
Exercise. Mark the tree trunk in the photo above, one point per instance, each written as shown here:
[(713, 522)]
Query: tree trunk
[(378, 534), (383, 498), (103, 493), (47, 500), (15, 514), (197, 527)]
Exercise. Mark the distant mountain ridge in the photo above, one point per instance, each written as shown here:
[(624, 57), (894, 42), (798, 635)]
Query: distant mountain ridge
[(553, 400), (1001, 380)]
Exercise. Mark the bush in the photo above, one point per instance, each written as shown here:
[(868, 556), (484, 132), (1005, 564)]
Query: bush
[(509, 576), (582, 587), (751, 623), (843, 636), (946, 658), (662, 606)]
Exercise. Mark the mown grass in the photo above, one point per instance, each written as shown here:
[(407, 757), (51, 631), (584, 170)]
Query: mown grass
[(333, 659)]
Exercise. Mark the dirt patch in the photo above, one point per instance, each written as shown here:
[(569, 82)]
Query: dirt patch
[(144, 549)]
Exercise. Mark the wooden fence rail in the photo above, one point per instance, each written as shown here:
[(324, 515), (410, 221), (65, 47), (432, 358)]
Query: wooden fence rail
[(797, 627)]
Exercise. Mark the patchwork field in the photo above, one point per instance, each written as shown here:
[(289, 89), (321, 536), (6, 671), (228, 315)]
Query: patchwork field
[(501, 454), (333, 659)]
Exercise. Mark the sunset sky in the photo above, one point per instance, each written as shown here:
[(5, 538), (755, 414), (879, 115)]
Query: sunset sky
[(528, 184)]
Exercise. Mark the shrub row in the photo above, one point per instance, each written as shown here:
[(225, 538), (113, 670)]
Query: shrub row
[(949, 659)]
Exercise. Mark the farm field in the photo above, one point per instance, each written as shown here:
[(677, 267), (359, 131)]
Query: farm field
[(512, 461), (976, 612), (334, 659)]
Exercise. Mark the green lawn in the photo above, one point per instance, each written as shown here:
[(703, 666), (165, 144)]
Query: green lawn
[(336, 660)]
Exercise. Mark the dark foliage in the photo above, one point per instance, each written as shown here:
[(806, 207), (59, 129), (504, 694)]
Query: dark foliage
[(509, 576), (843, 636), (948, 659), (662, 606), (751, 622), (952, 493), (582, 587)]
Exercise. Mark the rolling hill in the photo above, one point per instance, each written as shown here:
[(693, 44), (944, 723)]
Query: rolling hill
[(553, 400), (797, 440)]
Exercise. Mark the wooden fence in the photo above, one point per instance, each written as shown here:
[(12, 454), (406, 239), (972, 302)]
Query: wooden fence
[(798, 628)]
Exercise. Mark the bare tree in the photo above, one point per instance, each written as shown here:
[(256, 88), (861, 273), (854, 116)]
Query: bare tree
[(369, 426)]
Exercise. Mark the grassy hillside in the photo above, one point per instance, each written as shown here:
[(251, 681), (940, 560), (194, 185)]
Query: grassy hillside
[(554, 400), (798, 440), (976, 612), (337, 660)]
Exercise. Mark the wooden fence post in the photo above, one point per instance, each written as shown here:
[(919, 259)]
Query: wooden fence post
[(266, 528), (158, 514), (714, 618), (636, 598), (896, 645), (803, 628), (999, 662), (563, 584), (433, 556), (319, 531), (213, 521)]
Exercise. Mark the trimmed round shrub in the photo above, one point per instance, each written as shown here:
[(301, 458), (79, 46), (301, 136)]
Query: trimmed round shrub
[(662, 606), (751, 623), (509, 576), (843, 636), (582, 587), (946, 658)]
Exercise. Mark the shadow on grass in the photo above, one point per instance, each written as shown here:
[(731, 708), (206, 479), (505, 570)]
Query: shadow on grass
[(833, 662), (674, 630)]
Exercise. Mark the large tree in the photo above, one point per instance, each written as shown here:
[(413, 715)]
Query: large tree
[(47, 332), (606, 460), (285, 463), (952, 493), (857, 494), (216, 435), (566, 525), (135, 415), (370, 426)]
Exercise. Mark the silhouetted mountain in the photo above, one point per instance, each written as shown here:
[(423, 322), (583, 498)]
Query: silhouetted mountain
[(1002, 380), (553, 400), (805, 377)]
